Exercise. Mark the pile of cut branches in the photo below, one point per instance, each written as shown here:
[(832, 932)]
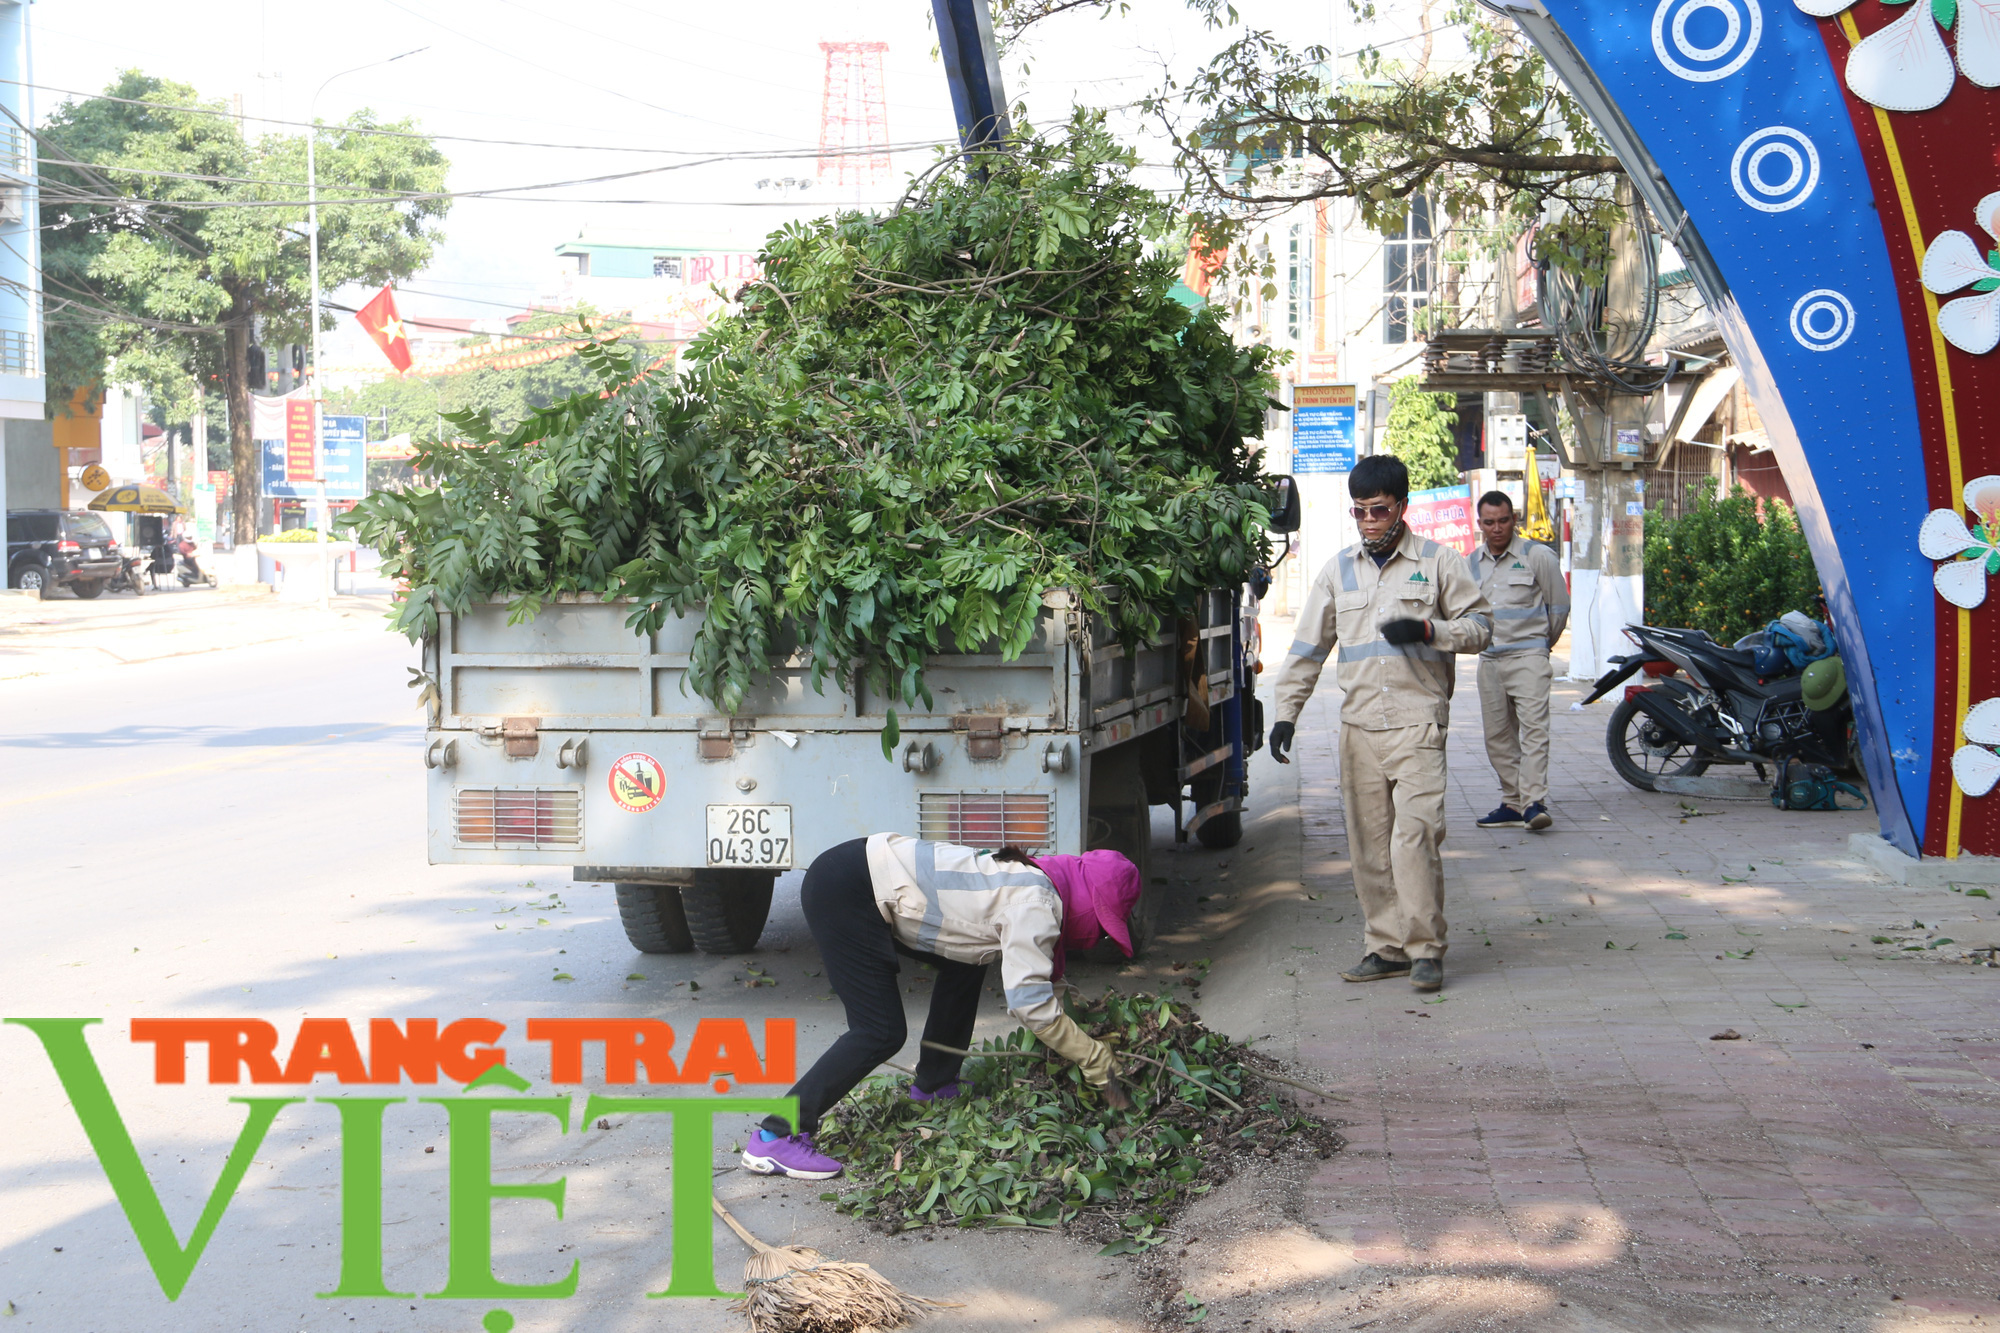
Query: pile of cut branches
[(1028, 1144), (907, 432)]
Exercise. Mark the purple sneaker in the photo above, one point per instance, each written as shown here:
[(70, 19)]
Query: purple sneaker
[(792, 1155), (943, 1094)]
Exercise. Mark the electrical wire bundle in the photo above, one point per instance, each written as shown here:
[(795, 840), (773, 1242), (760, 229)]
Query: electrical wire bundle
[(1596, 340)]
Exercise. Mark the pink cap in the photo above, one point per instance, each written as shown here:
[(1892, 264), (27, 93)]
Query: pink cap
[(1098, 891)]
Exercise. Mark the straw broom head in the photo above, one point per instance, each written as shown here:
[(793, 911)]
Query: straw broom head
[(794, 1289)]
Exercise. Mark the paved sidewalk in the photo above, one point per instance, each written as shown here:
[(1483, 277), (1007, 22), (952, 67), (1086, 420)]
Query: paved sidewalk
[(1558, 1142)]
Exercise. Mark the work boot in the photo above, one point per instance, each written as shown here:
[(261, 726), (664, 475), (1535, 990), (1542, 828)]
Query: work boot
[(942, 1094), (1427, 974), (1504, 817), (768, 1154), (1537, 817), (1375, 967)]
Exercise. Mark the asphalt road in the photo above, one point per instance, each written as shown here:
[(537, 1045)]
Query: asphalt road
[(239, 834)]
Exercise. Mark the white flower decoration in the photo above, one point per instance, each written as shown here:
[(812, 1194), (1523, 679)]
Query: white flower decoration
[(1905, 66), (1953, 261), (1974, 767), (1970, 555)]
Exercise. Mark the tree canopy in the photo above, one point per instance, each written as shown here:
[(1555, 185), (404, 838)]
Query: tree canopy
[(914, 427), (1268, 123), (172, 241)]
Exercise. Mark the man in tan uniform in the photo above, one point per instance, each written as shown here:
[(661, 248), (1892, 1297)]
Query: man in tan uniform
[(1524, 586), (1397, 607)]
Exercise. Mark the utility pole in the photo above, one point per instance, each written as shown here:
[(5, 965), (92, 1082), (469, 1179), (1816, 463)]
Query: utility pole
[(312, 242)]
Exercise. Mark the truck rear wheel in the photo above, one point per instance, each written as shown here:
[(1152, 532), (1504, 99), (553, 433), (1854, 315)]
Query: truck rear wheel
[(726, 909), (1221, 831), (653, 918), (1217, 832)]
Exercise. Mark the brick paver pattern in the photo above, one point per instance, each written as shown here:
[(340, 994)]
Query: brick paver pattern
[(1562, 1111)]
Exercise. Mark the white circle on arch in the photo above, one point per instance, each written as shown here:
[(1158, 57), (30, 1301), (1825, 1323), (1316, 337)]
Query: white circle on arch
[(1744, 28), (1822, 320), (1780, 141)]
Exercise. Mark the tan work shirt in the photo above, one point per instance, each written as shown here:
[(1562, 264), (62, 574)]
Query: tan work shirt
[(1388, 685), (1524, 586), (960, 903)]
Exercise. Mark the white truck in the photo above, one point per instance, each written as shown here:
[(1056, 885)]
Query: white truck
[(570, 740)]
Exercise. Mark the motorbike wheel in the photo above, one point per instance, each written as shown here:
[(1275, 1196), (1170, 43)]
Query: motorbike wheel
[(1640, 751)]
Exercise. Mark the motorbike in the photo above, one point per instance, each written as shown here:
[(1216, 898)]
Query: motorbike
[(129, 576), (1704, 703), (190, 573)]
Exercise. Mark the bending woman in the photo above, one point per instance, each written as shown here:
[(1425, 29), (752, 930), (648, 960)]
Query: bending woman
[(957, 909)]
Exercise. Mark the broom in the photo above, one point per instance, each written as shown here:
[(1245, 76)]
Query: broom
[(793, 1289)]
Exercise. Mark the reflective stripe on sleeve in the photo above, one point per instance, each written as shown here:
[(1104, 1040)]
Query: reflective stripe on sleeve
[(1310, 651), (1024, 999)]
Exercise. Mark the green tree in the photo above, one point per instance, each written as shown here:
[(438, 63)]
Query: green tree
[(1729, 565), (1419, 432), (172, 241), (1268, 123)]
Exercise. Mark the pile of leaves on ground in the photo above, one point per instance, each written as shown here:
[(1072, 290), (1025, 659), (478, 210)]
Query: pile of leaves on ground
[(1028, 1144), (907, 432)]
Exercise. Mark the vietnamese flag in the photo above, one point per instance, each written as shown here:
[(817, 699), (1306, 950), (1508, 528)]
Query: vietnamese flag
[(380, 319)]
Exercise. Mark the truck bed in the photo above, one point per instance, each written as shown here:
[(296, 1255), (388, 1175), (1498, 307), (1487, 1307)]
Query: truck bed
[(532, 722)]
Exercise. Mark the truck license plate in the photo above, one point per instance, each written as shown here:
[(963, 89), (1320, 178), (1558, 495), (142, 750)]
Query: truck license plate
[(750, 835)]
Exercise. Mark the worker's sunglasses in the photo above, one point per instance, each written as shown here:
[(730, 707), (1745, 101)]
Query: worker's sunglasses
[(1371, 511)]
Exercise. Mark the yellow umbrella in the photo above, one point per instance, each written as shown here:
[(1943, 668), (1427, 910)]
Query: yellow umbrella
[(135, 500)]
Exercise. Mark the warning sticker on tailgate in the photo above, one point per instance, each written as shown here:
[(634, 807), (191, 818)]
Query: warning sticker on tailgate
[(637, 782)]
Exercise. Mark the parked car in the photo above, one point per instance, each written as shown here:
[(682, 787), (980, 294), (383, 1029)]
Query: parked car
[(55, 548)]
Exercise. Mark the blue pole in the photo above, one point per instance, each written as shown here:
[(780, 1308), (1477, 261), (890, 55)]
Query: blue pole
[(972, 67)]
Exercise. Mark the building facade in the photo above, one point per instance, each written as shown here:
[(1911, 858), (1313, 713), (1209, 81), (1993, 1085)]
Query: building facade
[(30, 469)]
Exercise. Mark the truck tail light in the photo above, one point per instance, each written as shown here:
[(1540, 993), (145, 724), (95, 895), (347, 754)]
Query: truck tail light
[(1024, 819), (537, 818)]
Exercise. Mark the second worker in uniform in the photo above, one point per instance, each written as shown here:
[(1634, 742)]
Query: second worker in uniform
[(1524, 586)]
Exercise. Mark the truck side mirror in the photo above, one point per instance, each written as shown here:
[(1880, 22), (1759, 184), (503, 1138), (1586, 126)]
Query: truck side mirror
[(1285, 513)]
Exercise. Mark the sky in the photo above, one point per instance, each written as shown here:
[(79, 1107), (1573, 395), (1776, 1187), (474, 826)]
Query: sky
[(597, 82)]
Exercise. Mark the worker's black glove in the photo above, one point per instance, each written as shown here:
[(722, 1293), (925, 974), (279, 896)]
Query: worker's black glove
[(1281, 741), (1406, 631)]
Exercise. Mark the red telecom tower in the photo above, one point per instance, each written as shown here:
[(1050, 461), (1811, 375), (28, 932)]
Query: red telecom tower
[(853, 114)]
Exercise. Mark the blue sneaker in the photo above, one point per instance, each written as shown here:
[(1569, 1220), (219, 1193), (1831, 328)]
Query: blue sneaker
[(943, 1094), (792, 1155), (1537, 817), (1504, 817)]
